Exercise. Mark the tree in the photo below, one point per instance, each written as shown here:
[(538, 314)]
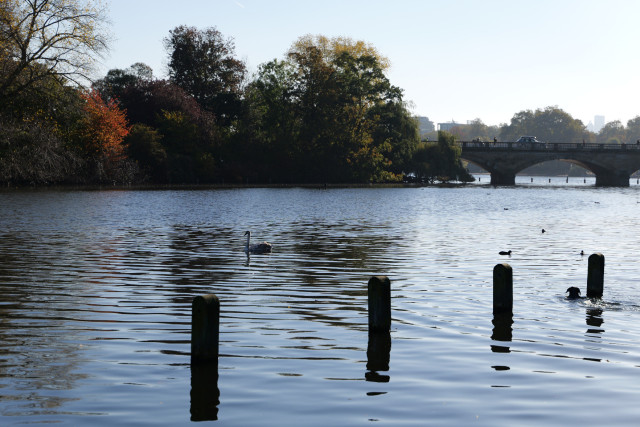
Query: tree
[(439, 160), (34, 153), (42, 39), (272, 123), (331, 48), (612, 133), (344, 99), (144, 146), (202, 62), (104, 128), (117, 81), (550, 125), (633, 130)]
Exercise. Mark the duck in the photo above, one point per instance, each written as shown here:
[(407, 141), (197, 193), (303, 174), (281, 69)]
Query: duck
[(256, 248), (574, 293), (505, 252), (544, 231)]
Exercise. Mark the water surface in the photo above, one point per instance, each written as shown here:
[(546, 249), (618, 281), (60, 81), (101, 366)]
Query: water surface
[(96, 290)]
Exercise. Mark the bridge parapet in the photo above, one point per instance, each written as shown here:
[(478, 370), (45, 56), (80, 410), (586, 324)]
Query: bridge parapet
[(546, 146)]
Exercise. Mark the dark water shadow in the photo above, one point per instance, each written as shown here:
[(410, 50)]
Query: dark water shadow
[(205, 394), (502, 331), (594, 319), (378, 356)]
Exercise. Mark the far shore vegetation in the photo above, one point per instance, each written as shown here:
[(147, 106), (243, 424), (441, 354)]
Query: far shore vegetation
[(324, 113)]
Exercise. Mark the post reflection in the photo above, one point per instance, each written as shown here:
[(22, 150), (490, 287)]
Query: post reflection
[(205, 395), (378, 356), (594, 318), (502, 331)]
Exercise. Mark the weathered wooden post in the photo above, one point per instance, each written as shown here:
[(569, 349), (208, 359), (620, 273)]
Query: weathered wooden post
[(205, 329), (595, 276), (502, 289), (379, 291)]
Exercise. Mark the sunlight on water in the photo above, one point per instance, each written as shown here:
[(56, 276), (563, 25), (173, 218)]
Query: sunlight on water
[(96, 290)]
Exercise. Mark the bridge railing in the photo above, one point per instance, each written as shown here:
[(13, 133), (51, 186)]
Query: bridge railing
[(545, 146)]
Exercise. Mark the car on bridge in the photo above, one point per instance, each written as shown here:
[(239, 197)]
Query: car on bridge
[(531, 142)]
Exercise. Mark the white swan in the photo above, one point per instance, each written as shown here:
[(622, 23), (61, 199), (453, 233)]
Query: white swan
[(257, 248)]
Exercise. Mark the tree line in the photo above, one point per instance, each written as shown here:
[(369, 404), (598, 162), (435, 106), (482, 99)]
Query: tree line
[(324, 113), (550, 124)]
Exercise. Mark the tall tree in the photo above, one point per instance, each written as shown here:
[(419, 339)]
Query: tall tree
[(550, 125), (633, 130), (612, 133), (203, 63), (118, 81), (343, 99), (41, 39)]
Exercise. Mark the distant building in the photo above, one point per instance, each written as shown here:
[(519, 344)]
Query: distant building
[(598, 123), (425, 125), (449, 125)]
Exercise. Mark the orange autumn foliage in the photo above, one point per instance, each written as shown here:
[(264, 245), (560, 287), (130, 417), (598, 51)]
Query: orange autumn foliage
[(105, 127)]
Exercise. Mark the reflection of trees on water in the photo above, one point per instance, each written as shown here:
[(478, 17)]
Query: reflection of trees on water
[(38, 342), (319, 273)]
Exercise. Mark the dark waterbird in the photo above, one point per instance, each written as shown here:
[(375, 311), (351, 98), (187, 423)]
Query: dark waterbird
[(574, 293), (256, 248), (505, 252)]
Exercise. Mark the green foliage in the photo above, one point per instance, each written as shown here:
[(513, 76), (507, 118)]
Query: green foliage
[(145, 148), (550, 125), (612, 133), (439, 161), (475, 131), (202, 62), (328, 114)]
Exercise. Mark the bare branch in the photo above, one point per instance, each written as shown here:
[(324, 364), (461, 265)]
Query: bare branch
[(49, 38)]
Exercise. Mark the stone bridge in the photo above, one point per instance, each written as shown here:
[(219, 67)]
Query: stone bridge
[(612, 164)]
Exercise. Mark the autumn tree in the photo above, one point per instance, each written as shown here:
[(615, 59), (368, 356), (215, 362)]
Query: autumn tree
[(48, 39), (104, 128), (331, 48)]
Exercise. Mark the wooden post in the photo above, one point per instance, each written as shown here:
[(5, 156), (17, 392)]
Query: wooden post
[(502, 289), (205, 328), (595, 276), (379, 290)]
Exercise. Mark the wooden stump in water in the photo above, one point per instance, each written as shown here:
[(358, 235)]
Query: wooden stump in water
[(379, 291), (595, 276), (502, 289), (205, 329)]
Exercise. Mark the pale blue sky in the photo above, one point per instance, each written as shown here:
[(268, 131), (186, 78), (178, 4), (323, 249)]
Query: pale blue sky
[(455, 59)]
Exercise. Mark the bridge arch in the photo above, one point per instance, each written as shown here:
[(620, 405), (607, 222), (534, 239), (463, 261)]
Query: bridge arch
[(612, 164)]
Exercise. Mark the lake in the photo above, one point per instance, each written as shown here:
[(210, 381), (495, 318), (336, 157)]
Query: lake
[(96, 290)]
